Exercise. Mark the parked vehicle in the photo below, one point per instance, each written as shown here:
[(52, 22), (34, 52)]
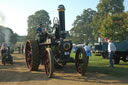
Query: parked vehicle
[(75, 47), (97, 49), (120, 54)]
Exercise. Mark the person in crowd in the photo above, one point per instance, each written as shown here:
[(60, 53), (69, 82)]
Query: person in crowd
[(22, 49), (88, 51), (3, 48), (111, 50), (42, 33), (40, 28)]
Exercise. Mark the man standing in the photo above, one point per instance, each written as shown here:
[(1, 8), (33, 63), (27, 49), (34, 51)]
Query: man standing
[(87, 50), (111, 50), (22, 49)]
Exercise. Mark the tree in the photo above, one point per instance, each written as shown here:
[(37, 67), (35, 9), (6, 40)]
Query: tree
[(105, 8), (14, 38), (115, 27), (82, 29), (39, 17), (110, 7)]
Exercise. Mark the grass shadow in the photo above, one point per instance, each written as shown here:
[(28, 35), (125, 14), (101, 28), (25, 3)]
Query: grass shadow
[(95, 74)]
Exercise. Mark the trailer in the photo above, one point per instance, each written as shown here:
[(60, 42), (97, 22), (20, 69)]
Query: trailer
[(121, 52)]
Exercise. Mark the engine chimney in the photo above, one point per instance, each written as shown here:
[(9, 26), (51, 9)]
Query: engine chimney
[(61, 10)]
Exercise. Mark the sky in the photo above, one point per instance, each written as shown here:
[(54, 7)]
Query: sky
[(15, 12)]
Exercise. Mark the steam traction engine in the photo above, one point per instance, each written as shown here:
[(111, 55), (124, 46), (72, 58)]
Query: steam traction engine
[(6, 56), (54, 49)]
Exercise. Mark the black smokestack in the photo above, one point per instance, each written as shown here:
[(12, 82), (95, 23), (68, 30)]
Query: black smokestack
[(61, 10)]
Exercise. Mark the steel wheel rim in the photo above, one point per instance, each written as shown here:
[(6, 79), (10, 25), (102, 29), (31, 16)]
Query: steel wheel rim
[(79, 61), (47, 63), (28, 55)]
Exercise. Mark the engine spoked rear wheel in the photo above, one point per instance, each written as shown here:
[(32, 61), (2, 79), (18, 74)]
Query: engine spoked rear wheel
[(49, 62), (32, 55), (81, 61)]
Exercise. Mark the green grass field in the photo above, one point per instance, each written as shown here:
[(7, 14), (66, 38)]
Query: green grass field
[(99, 65)]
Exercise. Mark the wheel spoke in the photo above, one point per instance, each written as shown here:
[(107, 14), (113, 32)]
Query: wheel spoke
[(49, 62), (78, 68), (32, 55), (28, 55), (79, 61)]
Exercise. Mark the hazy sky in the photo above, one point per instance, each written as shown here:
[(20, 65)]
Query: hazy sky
[(16, 12)]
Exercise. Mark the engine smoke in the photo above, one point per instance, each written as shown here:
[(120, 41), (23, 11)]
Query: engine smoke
[(7, 36), (2, 18)]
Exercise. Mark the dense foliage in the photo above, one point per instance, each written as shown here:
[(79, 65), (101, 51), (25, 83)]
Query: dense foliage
[(107, 9), (115, 27), (109, 21), (82, 29), (39, 17)]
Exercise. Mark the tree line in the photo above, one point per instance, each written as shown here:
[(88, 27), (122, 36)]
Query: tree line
[(109, 20)]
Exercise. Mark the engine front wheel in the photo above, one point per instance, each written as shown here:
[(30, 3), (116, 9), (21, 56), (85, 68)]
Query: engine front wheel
[(81, 61), (49, 62), (32, 55)]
